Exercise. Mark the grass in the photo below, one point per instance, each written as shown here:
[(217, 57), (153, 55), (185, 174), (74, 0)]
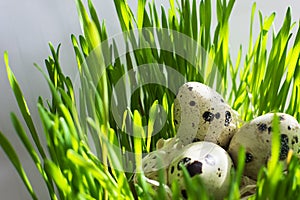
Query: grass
[(98, 129)]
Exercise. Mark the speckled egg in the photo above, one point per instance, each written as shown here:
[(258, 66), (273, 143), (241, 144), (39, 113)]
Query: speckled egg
[(201, 114), (208, 161), (161, 158), (256, 137)]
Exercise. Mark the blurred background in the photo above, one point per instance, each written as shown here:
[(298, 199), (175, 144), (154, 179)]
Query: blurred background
[(26, 28)]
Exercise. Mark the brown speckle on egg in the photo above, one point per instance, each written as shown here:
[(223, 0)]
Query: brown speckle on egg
[(208, 116), (295, 140), (194, 168), (269, 130), (284, 146), (249, 157), (281, 118), (227, 118), (262, 127), (172, 169), (192, 103)]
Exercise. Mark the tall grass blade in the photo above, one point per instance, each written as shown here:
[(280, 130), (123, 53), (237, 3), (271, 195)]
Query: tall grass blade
[(13, 157), (23, 106)]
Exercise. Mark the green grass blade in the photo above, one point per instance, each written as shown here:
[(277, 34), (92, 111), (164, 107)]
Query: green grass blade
[(141, 13), (251, 28), (60, 180), (23, 105), (94, 15), (89, 27), (124, 15), (24, 138), (13, 157), (104, 179)]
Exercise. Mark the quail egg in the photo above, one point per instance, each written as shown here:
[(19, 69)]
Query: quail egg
[(206, 160), (256, 136), (201, 114), (160, 158)]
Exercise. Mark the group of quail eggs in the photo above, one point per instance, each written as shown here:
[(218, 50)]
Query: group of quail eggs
[(208, 141)]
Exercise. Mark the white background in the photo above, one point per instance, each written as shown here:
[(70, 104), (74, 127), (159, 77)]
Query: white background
[(26, 27)]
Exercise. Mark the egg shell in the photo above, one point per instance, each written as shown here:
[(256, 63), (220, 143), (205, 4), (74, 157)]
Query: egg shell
[(163, 142), (256, 136), (161, 158), (208, 161), (201, 114)]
